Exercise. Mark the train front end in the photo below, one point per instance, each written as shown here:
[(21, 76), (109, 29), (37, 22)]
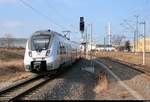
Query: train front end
[(38, 53)]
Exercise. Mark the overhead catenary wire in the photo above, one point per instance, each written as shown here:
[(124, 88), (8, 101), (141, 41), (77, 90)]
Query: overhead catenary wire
[(76, 30), (40, 13), (49, 4)]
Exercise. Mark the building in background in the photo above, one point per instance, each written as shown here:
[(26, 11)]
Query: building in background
[(140, 46), (91, 46), (105, 48)]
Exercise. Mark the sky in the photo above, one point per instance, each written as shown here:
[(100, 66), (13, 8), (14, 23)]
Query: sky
[(21, 21)]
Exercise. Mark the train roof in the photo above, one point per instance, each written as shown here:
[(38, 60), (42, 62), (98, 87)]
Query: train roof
[(44, 32), (50, 32)]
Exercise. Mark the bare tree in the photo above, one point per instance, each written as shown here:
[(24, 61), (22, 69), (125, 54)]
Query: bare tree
[(8, 40), (117, 39)]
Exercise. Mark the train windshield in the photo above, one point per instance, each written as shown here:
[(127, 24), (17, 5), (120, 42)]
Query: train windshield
[(40, 42)]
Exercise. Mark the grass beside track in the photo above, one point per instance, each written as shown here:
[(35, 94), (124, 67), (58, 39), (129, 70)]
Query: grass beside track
[(11, 65), (11, 60), (127, 57), (11, 54)]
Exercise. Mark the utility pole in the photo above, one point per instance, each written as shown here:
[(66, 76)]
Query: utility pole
[(134, 42), (91, 36), (144, 31), (144, 42), (91, 29), (109, 33), (104, 44), (137, 31), (134, 30), (86, 41)]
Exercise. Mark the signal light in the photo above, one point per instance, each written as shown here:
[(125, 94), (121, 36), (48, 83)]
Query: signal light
[(81, 19), (82, 24)]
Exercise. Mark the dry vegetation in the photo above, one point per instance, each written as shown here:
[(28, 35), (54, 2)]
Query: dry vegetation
[(127, 57), (11, 54), (11, 60), (102, 83), (11, 65)]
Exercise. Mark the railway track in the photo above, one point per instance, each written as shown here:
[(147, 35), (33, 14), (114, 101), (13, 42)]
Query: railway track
[(141, 69), (120, 77), (24, 88)]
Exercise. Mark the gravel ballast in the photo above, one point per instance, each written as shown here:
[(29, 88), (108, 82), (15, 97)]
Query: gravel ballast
[(79, 84)]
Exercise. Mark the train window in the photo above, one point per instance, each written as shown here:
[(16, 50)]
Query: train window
[(62, 48), (39, 43), (61, 45)]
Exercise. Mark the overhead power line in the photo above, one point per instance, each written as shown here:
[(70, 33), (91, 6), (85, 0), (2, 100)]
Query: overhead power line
[(40, 13), (49, 4)]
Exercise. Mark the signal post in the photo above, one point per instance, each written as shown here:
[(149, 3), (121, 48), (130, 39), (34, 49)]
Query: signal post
[(83, 39)]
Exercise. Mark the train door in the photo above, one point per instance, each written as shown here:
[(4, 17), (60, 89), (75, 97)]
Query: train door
[(62, 53), (59, 56), (68, 55), (65, 53)]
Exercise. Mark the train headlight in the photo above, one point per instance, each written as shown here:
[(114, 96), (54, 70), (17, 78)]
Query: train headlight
[(48, 52), (30, 53)]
